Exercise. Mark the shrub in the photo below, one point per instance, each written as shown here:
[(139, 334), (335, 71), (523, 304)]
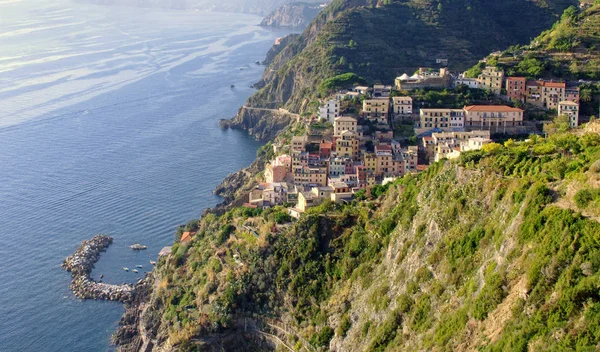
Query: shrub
[(281, 217), (345, 325), (490, 296), (584, 197)]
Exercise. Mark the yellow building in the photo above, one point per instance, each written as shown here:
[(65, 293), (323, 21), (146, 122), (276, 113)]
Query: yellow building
[(444, 119), (492, 116), (346, 145), (307, 200), (370, 161), (344, 123), (377, 109), (491, 78)]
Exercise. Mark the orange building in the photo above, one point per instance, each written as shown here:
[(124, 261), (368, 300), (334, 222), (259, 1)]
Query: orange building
[(516, 88)]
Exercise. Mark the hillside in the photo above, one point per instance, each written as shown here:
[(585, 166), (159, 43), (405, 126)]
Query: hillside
[(294, 15), (569, 50), (497, 250), (380, 40)]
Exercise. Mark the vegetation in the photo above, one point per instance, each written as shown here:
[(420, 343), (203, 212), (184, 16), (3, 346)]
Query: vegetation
[(361, 39), (409, 264)]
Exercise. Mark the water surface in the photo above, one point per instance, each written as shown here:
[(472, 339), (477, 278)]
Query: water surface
[(108, 124)]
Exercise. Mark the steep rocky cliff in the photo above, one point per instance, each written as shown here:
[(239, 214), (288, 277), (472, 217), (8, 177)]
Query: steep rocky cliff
[(295, 15)]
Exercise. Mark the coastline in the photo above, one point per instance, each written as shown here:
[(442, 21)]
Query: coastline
[(132, 332)]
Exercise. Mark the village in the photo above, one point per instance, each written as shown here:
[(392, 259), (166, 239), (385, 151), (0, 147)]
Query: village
[(352, 148)]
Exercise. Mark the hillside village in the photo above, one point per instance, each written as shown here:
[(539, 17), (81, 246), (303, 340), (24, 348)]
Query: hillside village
[(354, 144)]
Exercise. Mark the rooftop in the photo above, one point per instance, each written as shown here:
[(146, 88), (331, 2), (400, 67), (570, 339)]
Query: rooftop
[(491, 108), (345, 119)]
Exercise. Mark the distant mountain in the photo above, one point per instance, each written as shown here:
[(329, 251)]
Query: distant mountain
[(259, 7), (296, 15)]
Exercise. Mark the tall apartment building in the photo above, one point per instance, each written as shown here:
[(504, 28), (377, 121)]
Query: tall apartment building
[(516, 88), (377, 109), (444, 119), (491, 78), (344, 123), (330, 110), (402, 105)]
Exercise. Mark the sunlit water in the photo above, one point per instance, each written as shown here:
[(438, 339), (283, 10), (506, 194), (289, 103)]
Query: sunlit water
[(108, 124)]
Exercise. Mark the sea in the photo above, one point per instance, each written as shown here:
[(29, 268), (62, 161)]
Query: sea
[(108, 124)]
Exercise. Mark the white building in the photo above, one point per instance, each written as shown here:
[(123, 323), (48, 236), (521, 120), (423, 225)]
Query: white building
[(469, 82), (330, 110), (402, 105), (571, 109)]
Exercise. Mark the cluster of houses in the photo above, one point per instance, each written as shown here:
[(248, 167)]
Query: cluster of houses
[(541, 93), (360, 151), (334, 163)]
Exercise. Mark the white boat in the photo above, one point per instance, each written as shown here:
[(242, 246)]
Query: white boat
[(135, 270), (125, 268), (152, 262), (138, 266), (137, 247)]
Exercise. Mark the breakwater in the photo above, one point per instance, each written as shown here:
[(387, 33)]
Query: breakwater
[(81, 263)]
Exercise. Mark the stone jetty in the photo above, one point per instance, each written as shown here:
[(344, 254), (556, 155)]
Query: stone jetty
[(81, 263)]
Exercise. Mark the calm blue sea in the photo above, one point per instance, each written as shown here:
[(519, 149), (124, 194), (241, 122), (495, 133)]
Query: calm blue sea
[(108, 124)]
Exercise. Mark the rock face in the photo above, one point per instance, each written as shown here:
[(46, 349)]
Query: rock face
[(261, 123), (277, 48), (81, 263), (296, 15)]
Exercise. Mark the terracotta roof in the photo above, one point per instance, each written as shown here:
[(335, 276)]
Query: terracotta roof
[(492, 108), (555, 84), (516, 78), (422, 167), (186, 236), (383, 147)]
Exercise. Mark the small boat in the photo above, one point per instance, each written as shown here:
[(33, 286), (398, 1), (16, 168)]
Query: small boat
[(152, 262), (135, 270), (101, 276), (138, 266), (137, 247), (125, 268), (232, 86)]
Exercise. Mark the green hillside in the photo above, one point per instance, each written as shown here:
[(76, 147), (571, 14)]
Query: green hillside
[(569, 50), (380, 40), (499, 250)]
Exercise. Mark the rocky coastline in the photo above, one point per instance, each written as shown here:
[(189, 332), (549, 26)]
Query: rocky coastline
[(81, 263), (140, 325)]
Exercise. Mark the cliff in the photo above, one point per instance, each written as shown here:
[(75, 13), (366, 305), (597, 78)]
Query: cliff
[(296, 15), (495, 251), (381, 40)]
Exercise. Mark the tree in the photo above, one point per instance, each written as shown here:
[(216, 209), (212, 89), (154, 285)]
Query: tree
[(585, 95), (531, 67)]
